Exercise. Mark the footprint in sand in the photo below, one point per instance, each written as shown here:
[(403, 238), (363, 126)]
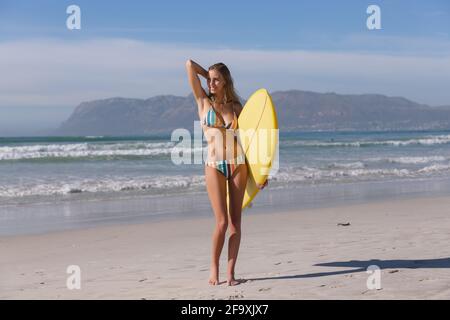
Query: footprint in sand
[(364, 292), (236, 296)]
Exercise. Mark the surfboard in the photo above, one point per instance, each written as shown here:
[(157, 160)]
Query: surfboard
[(258, 135)]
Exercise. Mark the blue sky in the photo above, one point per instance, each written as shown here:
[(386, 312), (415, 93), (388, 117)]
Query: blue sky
[(238, 24), (138, 48)]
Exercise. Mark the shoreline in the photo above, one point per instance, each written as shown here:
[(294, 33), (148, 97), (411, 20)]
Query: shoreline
[(79, 214), (298, 254)]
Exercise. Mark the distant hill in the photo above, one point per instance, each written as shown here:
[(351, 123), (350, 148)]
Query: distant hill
[(297, 110)]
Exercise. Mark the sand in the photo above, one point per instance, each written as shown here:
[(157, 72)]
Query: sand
[(303, 254)]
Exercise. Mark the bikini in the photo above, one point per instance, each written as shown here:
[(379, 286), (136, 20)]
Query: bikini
[(225, 167)]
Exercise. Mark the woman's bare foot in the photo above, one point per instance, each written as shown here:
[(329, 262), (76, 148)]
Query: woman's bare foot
[(214, 277), (233, 282)]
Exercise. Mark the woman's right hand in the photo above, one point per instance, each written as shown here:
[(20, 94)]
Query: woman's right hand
[(262, 186)]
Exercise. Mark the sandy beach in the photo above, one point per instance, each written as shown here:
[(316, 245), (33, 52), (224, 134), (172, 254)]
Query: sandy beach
[(303, 254)]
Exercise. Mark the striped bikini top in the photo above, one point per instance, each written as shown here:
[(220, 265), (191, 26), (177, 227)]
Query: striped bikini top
[(210, 120)]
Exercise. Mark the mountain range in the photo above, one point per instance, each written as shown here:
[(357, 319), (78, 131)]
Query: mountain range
[(297, 111)]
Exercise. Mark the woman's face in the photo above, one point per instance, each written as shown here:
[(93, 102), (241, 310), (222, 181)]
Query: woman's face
[(216, 82)]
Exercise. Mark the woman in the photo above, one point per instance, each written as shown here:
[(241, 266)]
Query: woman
[(218, 112)]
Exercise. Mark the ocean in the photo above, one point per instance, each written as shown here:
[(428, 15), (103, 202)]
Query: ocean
[(52, 183)]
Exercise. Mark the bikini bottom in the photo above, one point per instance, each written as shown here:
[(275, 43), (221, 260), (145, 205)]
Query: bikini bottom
[(227, 167)]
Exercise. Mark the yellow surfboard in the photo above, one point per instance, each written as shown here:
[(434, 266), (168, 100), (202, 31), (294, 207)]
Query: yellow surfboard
[(258, 135)]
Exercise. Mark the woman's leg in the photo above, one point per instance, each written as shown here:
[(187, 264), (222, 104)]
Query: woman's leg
[(236, 187), (216, 188)]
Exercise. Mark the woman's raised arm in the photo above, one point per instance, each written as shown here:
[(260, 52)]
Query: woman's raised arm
[(193, 70)]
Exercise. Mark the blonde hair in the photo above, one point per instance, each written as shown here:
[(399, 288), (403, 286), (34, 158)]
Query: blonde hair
[(230, 92)]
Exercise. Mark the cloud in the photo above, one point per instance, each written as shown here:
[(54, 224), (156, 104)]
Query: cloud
[(49, 72), (438, 45)]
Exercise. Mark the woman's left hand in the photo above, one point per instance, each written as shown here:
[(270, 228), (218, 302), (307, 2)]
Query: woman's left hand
[(262, 186)]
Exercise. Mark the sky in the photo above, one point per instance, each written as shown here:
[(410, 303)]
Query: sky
[(137, 49)]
